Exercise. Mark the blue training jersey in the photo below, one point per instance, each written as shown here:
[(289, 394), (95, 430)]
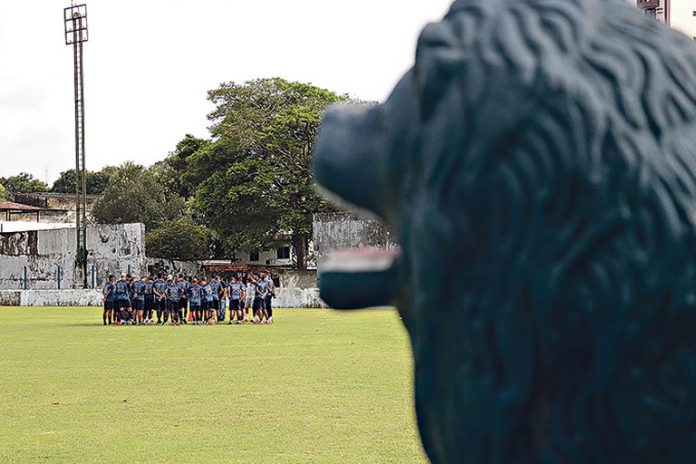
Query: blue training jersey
[(121, 290), (160, 286), (261, 287), (184, 285), (173, 292), (149, 286), (215, 286), (108, 291), (194, 294), (207, 293), (139, 290), (236, 290)]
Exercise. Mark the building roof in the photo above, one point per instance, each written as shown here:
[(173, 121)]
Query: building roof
[(17, 207)]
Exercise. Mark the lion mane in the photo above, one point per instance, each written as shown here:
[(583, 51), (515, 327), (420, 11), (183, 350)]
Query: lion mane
[(538, 166), (564, 183)]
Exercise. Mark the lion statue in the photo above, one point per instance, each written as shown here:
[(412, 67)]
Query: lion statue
[(538, 166)]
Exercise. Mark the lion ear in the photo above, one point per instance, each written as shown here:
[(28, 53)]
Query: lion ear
[(439, 57)]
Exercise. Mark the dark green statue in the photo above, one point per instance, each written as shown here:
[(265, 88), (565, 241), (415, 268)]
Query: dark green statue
[(538, 167)]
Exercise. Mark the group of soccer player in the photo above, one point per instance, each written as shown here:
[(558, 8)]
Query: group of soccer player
[(176, 300)]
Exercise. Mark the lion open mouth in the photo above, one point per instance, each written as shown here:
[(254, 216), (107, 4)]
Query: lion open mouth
[(367, 273)]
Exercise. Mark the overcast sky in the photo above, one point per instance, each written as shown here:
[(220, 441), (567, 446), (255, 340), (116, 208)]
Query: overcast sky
[(148, 65)]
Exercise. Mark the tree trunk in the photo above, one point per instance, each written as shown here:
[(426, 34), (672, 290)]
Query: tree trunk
[(299, 242)]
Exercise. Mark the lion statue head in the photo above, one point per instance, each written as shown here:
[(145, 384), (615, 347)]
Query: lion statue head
[(538, 166)]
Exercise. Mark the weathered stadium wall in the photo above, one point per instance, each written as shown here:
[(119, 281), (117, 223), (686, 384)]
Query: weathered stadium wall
[(39, 254), (345, 230), (170, 267), (298, 279), (286, 298), (298, 298), (10, 297)]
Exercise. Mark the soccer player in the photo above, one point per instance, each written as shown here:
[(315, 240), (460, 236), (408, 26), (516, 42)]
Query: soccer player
[(249, 297), (194, 295), (235, 289), (149, 300), (224, 300), (183, 302), (268, 303), (260, 293), (121, 298), (108, 295), (130, 319), (138, 299), (207, 299), (216, 286), (160, 287), (173, 296)]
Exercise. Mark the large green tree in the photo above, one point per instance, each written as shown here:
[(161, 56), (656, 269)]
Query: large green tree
[(180, 239), (134, 194), (255, 180), (4, 194), (173, 169), (232, 197), (97, 181), (23, 183)]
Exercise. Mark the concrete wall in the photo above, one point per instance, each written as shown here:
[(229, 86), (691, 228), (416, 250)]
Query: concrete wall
[(170, 267), (58, 207), (10, 297), (345, 230), (298, 279), (25, 226), (112, 249), (285, 298), (298, 298), (61, 298)]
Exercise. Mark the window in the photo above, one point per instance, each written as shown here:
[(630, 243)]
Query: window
[(254, 256), (283, 252), (650, 8)]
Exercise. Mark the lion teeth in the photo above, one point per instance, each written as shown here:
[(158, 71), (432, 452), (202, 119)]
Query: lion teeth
[(359, 260)]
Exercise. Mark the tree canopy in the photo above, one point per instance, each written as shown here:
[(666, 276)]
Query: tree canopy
[(255, 180), (23, 183), (134, 194), (5, 195), (180, 239), (174, 168), (96, 181)]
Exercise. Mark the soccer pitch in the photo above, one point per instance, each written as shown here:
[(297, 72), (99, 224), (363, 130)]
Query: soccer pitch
[(318, 386)]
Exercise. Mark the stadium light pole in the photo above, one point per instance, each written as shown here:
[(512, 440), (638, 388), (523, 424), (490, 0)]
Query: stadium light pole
[(75, 19)]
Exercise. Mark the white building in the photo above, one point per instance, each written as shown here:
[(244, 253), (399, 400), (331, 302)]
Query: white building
[(678, 14)]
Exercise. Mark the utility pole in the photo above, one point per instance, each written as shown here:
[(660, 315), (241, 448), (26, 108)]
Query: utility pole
[(75, 18)]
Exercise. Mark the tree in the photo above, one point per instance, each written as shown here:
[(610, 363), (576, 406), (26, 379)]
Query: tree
[(96, 181), (255, 181), (4, 194), (180, 239), (231, 197), (135, 195), (23, 183), (173, 169)]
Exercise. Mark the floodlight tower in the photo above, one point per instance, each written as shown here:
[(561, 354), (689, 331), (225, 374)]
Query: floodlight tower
[(75, 18)]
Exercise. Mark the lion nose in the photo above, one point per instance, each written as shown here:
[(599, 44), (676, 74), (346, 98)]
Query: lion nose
[(348, 156)]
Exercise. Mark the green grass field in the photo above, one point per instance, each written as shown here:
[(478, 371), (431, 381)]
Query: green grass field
[(316, 387)]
